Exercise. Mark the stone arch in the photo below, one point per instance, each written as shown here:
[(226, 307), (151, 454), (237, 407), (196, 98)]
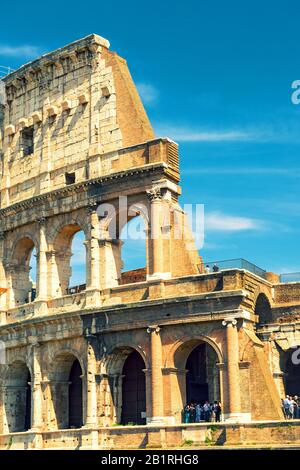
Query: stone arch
[(67, 219), (113, 219), (113, 223), (192, 368), (21, 287), (66, 389), (23, 234), (126, 384), (117, 354), (17, 396), (289, 365), (60, 264), (262, 308), (190, 342)]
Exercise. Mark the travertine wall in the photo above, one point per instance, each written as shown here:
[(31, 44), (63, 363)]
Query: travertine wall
[(82, 103), (89, 122)]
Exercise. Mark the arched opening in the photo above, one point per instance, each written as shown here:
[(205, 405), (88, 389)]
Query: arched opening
[(133, 390), (28, 403), (75, 396), (66, 392), (202, 377), (263, 309), (134, 251), (33, 274), (78, 262), (291, 369), (196, 376), (23, 273), (17, 398), (69, 269)]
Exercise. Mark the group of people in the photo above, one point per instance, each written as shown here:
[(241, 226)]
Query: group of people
[(291, 407), (196, 412), (214, 269)]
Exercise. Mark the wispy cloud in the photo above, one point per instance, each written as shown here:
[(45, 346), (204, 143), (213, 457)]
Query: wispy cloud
[(217, 221), (26, 51), (290, 172), (186, 134), (148, 93)]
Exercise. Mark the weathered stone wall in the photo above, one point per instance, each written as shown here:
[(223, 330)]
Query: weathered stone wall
[(93, 143)]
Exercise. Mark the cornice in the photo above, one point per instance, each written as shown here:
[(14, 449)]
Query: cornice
[(79, 187), (91, 43)]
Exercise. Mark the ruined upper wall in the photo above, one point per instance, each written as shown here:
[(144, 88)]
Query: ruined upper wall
[(81, 106)]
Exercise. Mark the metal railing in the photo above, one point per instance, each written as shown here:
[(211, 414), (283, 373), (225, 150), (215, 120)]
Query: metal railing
[(5, 70), (237, 263), (75, 289), (289, 277)]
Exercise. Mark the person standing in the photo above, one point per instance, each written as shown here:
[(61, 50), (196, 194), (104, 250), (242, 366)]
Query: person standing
[(298, 408), (192, 413), (295, 403), (217, 411), (286, 406), (186, 414), (198, 413), (206, 409), (291, 409)]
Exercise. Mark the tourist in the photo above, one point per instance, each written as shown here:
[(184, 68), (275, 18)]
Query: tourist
[(291, 409), (217, 411), (298, 408), (186, 414), (198, 413), (207, 411), (215, 268), (286, 407), (207, 269), (295, 407), (192, 413)]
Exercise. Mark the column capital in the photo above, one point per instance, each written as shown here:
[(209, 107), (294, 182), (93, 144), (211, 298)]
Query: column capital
[(153, 329), (229, 322), (154, 194)]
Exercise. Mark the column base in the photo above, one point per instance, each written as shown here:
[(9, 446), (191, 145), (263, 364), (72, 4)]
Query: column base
[(3, 317), (93, 297), (160, 420), (40, 307), (237, 417), (158, 276)]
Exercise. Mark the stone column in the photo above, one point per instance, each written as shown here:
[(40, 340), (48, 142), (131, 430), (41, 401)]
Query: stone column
[(36, 389), (233, 377), (93, 253), (91, 390), (42, 262), (10, 269), (155, 236), (3, 375), (156, 377), (3, 285)]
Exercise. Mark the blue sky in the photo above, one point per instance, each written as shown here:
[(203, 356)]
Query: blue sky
[(216, 77)]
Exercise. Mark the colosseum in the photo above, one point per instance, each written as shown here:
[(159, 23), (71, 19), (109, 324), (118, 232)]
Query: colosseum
[(111, 363)]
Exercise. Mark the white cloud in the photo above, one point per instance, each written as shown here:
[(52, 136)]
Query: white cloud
[(221, 222), (293, 172), (26, 51), (186, 134), (148, 93)]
